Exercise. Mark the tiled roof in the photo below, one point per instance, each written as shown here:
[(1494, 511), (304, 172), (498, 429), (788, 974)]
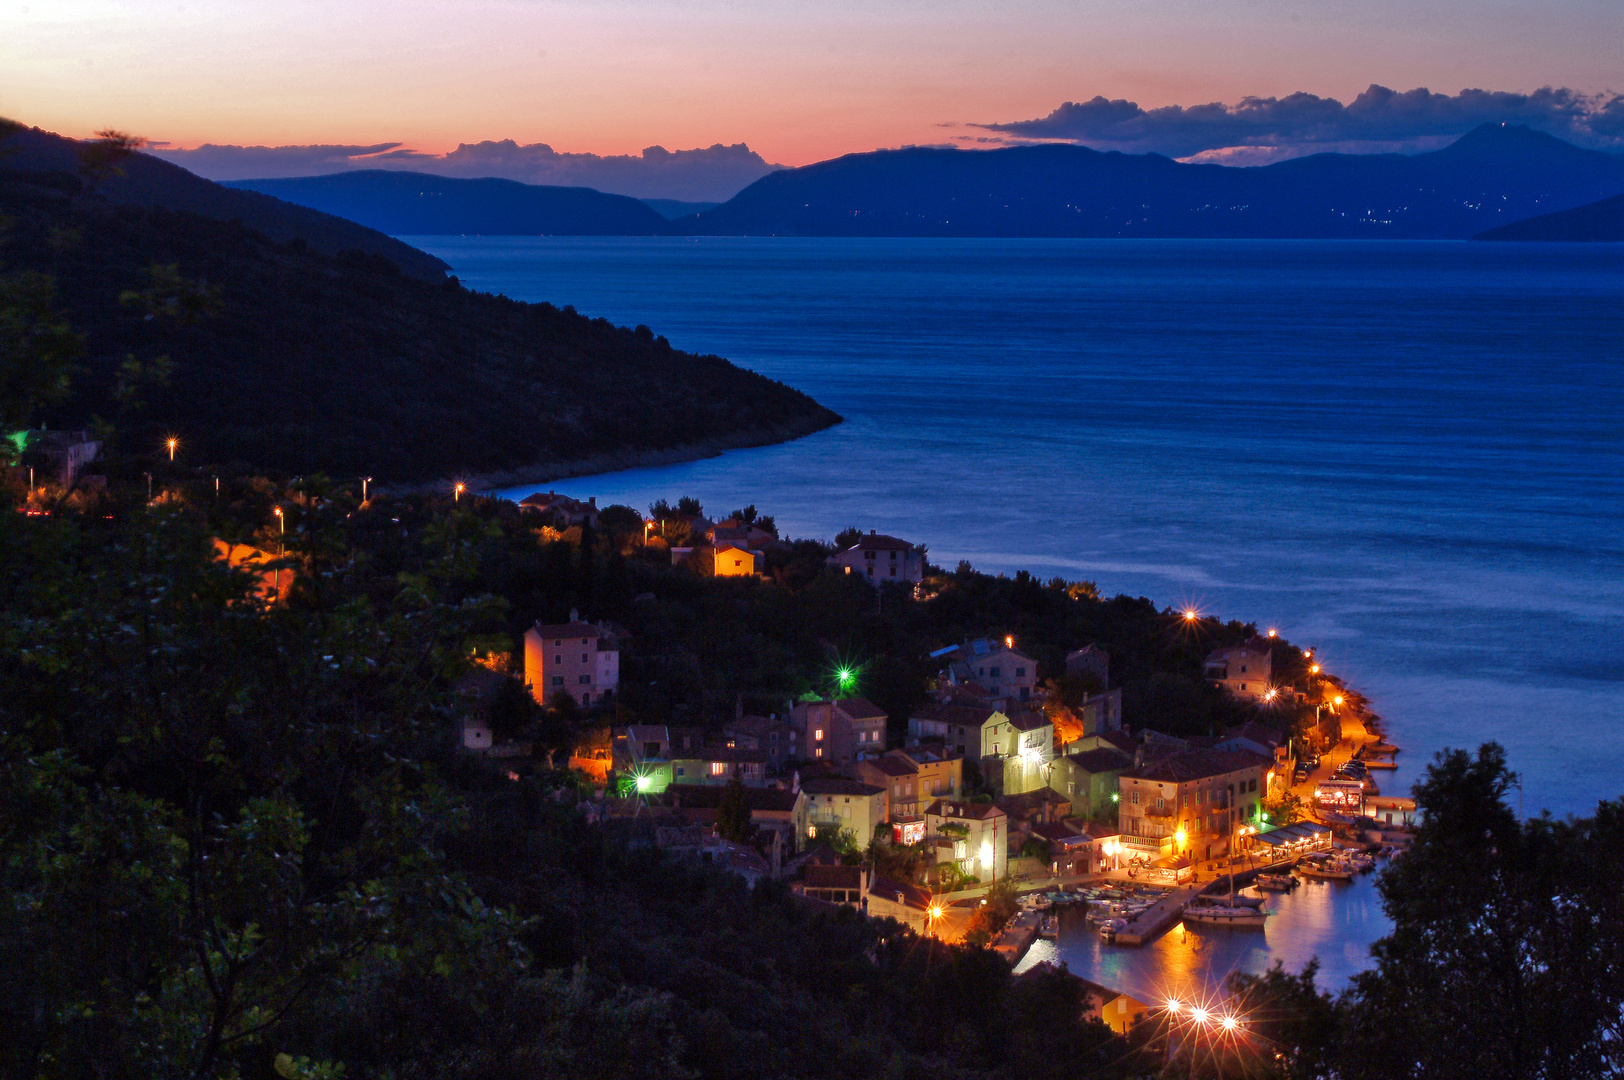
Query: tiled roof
[(859, 708), (709, 797), (1028, 721), (1053, 831), (834, 877), (894, 765), (880, 542), (576, 629), (839, 785), (1101, 760), (961, 808), (1255, 645), (911, 895), (1185, 765), (738, 755), (1258, 733), (959, 715)]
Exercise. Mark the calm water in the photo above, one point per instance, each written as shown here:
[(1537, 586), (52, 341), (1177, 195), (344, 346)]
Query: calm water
[(1332, 920), (1410, 455)]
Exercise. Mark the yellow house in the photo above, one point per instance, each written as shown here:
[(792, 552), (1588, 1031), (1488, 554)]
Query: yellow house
[(734, 561)]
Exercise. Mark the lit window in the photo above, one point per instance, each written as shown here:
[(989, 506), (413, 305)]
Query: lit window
[(817, 735), (718, 768)]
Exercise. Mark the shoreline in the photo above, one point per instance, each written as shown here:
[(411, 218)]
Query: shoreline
[(544, 472)]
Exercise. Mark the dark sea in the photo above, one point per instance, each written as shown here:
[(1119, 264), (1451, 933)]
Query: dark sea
[(1408, 455)]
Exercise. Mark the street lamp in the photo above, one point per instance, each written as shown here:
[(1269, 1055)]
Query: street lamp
[(365, 480), (456, 495), (282, 546), (171, 442)]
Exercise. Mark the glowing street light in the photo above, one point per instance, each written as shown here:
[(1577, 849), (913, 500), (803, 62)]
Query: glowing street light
[(1009, 641), (845, 676), (1337, 701), (365, 480), (172, 442), (1191, 615), (1199, 1014), (1175, 1006), (1313, 669), (457, 493), (1179, 836), (1230, 1023), (1273, 632), (643, 783)]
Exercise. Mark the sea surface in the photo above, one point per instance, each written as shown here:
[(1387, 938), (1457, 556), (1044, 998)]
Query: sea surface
[(1408, 455)]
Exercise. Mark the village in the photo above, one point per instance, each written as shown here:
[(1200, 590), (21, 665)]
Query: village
[(1000, 803)]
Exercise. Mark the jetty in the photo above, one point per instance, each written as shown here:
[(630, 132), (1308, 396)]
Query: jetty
[(1017, 936), (1160, 918)]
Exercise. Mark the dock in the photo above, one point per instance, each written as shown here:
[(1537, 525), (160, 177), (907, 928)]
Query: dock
[(1017, 936), (1170, 909)]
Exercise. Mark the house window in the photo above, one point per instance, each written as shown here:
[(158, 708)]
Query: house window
[(995, 673), (1020, 672), (586, 699), (557, 642), (558, 658), (817, 735), (558, 680), (1160, 803), (586, 680), (718, 768), (1133, 797), (583, 658)]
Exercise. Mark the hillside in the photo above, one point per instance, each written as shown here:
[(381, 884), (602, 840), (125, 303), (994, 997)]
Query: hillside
[(290, 360), (1489, 176), (418, 204), (1597, 222), (142, 180)]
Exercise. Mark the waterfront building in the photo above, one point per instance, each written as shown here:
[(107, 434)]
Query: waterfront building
[(1190, 802), (834, 885), (1017, 755), (719, 764), (577, 658), (1245, 670), (879, 558)]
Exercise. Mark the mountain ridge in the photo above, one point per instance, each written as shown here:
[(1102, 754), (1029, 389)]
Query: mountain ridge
[(1490, 175), (1600, 222)]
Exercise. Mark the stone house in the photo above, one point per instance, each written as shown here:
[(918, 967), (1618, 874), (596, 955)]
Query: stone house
[(1089, 779), (878, 558), (835, 885), (840, 730), (1244, 670), (838, 802), (577, 658), (914, 778), (1190, 802), (975, 836)]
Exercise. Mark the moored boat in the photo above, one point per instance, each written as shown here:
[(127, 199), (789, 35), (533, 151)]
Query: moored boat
[(1225, 915), (1276, 882), (1328, 870)]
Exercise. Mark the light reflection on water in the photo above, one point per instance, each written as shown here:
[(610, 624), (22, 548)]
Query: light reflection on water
[(1335, 921)]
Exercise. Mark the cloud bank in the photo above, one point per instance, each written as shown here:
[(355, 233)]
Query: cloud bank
[(712, 174), (1260, 129)]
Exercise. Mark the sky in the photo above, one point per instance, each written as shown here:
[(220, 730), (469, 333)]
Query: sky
[(797, 80)]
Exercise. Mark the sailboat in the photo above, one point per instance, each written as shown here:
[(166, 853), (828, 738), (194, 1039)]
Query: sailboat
[(1228, 909)]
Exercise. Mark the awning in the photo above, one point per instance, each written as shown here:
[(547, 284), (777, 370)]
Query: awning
[(1300, 833)]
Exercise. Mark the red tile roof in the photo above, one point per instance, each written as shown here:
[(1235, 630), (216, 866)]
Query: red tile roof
[(1186, 765), (880, 542)]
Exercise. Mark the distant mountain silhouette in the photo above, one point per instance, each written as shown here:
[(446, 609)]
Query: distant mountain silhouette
[(411, 203), (670, 209), (300, 362), (1593, 222), (1491, 175), (142, 180)]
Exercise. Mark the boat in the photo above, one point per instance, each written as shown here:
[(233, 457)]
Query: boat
[(1230, 900), (1225, 915), (1111, 928), (1037, 902), (1276, 882), (1329, 870), (1049, 928)]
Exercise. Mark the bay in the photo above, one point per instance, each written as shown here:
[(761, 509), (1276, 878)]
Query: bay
[(1408, 455)]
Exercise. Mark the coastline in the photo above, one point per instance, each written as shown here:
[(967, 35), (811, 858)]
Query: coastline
[(543, 472)]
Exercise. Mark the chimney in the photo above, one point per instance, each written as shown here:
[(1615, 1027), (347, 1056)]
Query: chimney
[(592, 501)]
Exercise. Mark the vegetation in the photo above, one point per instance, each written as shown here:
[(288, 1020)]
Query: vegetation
[(286, 360)]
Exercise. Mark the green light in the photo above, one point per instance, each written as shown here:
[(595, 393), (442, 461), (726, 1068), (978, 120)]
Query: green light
[(1116, 796), (643, 783), (1263, 817), (845, 676)]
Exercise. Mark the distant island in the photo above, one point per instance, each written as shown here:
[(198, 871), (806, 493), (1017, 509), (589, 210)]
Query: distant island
[(1492, 175), (411, 203), (314, 345), (1597, 222)]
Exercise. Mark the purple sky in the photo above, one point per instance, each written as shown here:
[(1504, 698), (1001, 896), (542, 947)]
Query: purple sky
[(797, 80)]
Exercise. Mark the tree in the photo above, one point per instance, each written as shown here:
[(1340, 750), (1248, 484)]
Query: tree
[(38, 348), (689, 507), (733, 811), (1284, 807), (1504, 956)]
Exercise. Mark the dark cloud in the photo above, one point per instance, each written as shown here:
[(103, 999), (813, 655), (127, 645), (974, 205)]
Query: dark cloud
[(711, 174), (1378, 119)]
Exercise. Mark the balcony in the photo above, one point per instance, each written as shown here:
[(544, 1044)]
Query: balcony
[(1161, 812)]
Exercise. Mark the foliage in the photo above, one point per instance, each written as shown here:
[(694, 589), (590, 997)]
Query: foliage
[(733, 811), (996, 909), (381, 374), (1284, 807)]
